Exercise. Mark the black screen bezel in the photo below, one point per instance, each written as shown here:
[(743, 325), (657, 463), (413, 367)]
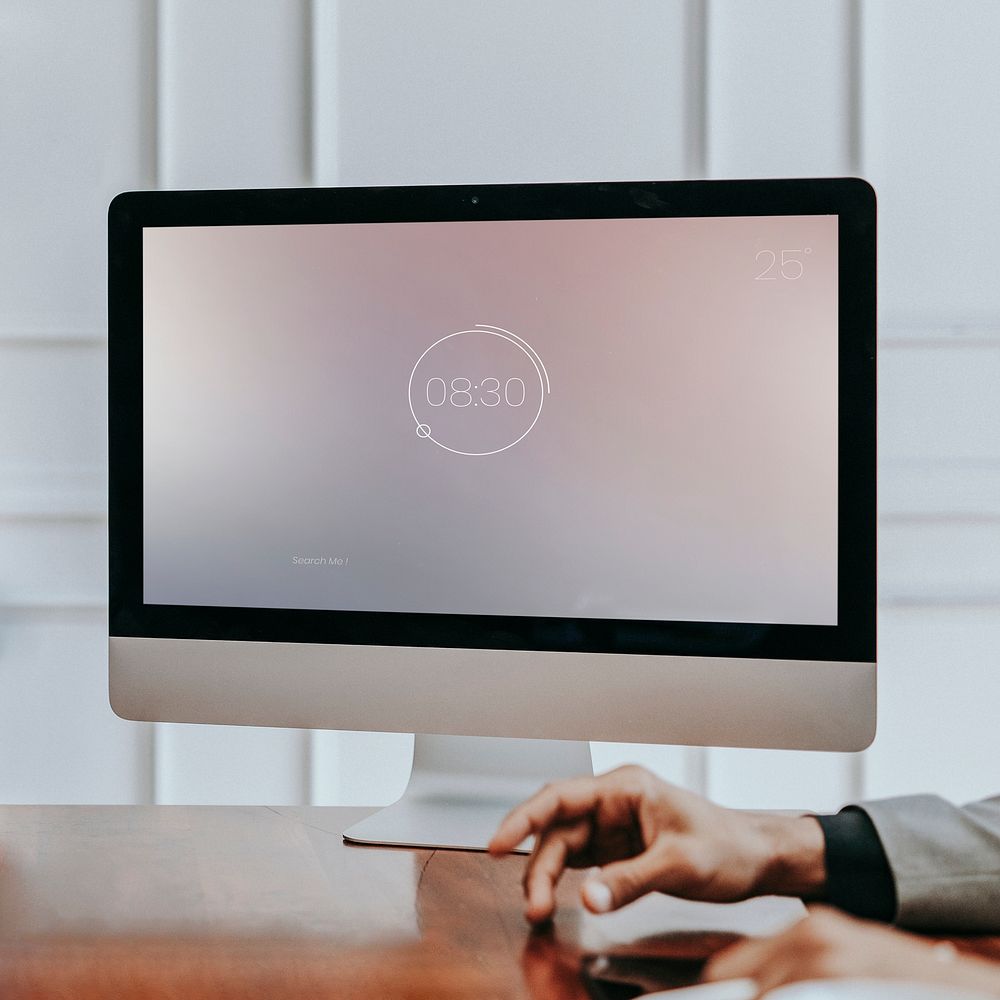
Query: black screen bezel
[(851, 199)]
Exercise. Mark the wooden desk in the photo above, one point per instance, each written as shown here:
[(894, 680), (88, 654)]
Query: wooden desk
[(235, 898)]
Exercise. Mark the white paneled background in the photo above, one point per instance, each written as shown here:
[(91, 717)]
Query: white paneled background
[(108, 95)]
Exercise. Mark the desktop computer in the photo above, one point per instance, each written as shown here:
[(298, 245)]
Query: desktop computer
[(512, 467)]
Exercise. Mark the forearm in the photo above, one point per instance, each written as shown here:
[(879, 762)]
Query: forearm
[(796, 862), (917, 861)]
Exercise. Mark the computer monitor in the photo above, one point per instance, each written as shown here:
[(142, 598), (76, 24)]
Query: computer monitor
[(522, 463)]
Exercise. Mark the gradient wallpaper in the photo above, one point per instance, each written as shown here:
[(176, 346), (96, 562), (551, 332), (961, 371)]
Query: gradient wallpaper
[(649, 429)]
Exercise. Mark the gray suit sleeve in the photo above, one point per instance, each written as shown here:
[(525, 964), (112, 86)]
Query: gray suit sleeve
[(945, 861)]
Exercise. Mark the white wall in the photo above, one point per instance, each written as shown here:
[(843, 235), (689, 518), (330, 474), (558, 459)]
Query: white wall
[(116, 94)]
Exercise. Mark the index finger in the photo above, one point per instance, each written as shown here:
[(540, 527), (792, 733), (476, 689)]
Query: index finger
[(558, 802)]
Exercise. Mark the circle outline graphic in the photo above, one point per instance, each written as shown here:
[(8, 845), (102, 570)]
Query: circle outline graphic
[(495, 331)]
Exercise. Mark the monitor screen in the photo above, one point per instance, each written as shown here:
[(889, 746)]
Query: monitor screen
[(630, 419)]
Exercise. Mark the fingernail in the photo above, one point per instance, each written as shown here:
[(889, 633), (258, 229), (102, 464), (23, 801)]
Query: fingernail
[(598, 896)]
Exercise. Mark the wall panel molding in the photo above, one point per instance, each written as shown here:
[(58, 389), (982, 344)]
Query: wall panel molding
[(938, 400), (60, 563), (938, 692), (926, 492), (969, 335), (53, 403), (76, 86), (695, 89), (226, 116), (55, 337), (940, 562), (229, 765), (46, 492), (234, 110), (931, 96), (779, 88), (428, 93), (61, 741)]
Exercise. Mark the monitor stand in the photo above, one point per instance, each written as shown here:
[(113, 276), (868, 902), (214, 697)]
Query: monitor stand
[(461, 787)]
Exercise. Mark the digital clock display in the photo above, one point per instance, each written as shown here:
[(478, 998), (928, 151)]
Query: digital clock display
[(483, 414)]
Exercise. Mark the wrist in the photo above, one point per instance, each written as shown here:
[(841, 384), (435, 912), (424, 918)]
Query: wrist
[(795, 863)]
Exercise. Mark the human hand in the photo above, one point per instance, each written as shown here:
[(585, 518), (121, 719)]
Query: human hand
[(829, 945), (649, 836)]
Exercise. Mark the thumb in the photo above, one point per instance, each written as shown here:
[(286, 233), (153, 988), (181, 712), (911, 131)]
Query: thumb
[(623, 881)]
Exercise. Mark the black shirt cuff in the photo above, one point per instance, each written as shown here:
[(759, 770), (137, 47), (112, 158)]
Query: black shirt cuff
[(858, 877)]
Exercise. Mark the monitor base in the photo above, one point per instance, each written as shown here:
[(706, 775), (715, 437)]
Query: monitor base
[(461, 787)]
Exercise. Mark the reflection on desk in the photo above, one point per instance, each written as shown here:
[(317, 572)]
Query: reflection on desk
[(159, 968)]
